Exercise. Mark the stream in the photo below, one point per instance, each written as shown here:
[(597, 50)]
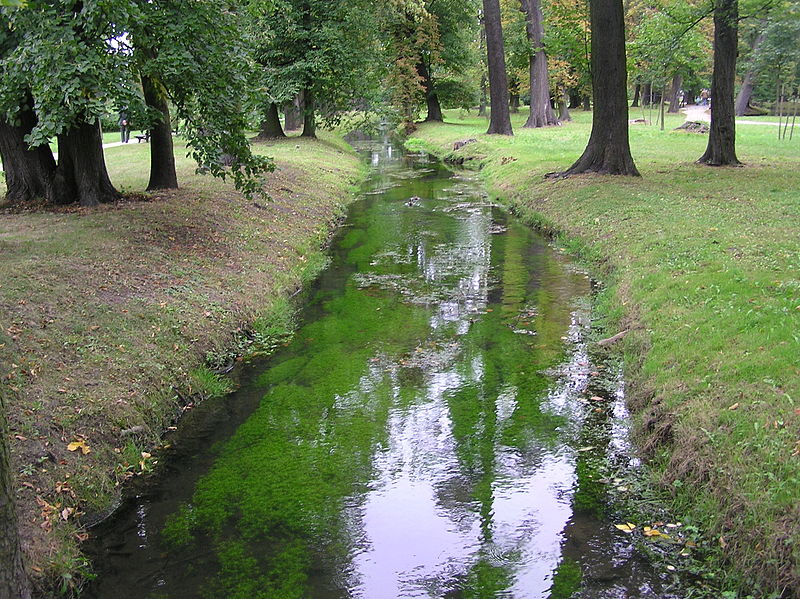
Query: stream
[(434, 428)]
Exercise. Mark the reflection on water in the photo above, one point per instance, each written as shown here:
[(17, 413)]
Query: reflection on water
[(417, 438)]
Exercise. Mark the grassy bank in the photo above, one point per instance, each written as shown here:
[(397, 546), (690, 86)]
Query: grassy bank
[(113, 320), (702, 267)]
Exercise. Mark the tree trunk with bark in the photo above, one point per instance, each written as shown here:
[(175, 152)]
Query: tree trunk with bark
[(608, 150), (431, 98), (81, 175), (271, 125), (309, 115), (162, 155), (675, 94), (587, 103), (647, 94), (14, 582), (513, 102), (28, 172), (484, 98), (721, 148), (563, 105), (541, 114), (500, 118), (293, 112), (636, 91), (746, 91)]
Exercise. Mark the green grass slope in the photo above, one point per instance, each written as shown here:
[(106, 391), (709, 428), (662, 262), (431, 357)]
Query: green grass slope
[(703, 266)]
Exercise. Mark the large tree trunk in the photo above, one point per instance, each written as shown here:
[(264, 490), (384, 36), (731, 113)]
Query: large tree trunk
[(28, 172), (608, 150), (293, 113), (162, 155), (674, 94), (721, 148), (309, 115), (563, 105), (81, 175), (499, 119), (14, 583), (541, 114), (513, 102), (484, 91), (431, 98), (271, 125), (746, 91), (636, 91), (742, 104)]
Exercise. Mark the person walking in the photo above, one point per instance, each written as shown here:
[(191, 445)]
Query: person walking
[(124, 128)]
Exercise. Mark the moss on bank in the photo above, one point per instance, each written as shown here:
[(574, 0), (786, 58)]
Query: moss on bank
[(701, 265), (111, 318)]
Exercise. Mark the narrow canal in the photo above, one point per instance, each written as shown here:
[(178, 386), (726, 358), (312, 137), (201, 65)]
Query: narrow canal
[(428, 432)]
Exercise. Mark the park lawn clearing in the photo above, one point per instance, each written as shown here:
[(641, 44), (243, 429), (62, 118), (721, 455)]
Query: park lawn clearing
[(113, 320), (702, 265)]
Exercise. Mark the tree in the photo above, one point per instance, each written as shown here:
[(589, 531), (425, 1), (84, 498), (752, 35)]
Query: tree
[(742, 104), (28, 170), (667, 46), (608, 150), (192, 54), (721, 149), (68, 62), (567, 40), (541, 114), (499, 118), (328, 50), (162, 154), (61, 57), (14, 583)]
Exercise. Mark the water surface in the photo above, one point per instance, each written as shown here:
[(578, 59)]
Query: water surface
[(424, 434)]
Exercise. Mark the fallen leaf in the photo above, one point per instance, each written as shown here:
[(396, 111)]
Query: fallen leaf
[(597, 398), (627, 527), (652, 532), (734, 406), (722, 542), (587, 448), (79, 444)]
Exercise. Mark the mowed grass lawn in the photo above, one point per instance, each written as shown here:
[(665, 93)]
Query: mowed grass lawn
[(111, 318), (703, 265)]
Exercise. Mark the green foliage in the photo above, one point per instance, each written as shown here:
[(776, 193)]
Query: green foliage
[(328, 49), (667, 42), (777, 59), (196, 51), (430, 36), (567, 41), (77, 59), (65, 54)]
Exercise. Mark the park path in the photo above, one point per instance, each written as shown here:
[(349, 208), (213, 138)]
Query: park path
[(694, 112)]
